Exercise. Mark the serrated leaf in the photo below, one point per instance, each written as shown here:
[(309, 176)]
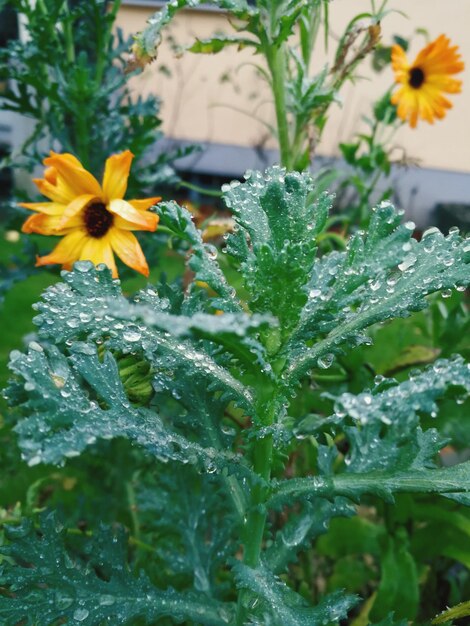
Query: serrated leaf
[(202, 256), (456, 612), (85, 306), (278, 220), (453, 480), (150, 38), (191, 526), (383, 275), (235, 332), (302, 529), (47, 583), (389, 435), (70, 402), (217, 44), (284, 606)]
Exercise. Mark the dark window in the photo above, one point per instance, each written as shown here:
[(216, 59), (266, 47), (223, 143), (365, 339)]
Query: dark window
[(8, 26)]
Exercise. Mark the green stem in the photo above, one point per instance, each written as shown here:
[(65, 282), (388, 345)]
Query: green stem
[(68, 35), (448, 480), (103, 46), (133, 509), (82, 139), (256, 520), (332, 236), (202, 190), (298, 143), (276, 58), (253, 530)]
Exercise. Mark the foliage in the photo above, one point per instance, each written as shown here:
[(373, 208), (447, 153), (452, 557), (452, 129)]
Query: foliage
[(99, 590), (370, 158), (244, 482), (301, 101), (67, 75)]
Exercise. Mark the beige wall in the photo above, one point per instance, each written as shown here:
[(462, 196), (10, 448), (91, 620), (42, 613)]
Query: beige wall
[(198, 104)]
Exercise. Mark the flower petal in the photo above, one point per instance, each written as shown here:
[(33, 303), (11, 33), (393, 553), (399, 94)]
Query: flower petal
[(75, 207), (151, 226), (77, 179), (59, 193), (128, 249), (135, 219), (66, 156), (48, 208), (400, 63), (438, 57), (424, 98), (99, 251), (116, 173), (48, 225), (67, 250), (146, 203)]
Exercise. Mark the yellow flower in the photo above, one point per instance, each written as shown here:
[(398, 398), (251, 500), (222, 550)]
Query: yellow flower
[(94, 220), (424, 82)]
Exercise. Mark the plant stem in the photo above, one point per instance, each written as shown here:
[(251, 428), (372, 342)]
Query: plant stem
[(202, 190), (68, 35), (103, 47), (256, 519), (276, 58), (253, 530), (133, 509)]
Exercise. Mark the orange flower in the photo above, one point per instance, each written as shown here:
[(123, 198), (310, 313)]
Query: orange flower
[(424, 82), (94, 220)]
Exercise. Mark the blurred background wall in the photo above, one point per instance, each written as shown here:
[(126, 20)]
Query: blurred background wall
[(221, 101)]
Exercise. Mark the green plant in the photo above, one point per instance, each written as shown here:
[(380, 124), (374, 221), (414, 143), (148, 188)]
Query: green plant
[(370, 159), (301, 101), (67, 75), (238, 483)]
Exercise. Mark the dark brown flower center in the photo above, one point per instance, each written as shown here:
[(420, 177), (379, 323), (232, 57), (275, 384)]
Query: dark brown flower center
[(416, 77), (98, 220)]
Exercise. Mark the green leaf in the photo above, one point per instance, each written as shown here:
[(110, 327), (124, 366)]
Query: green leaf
[(306, 95), (389, 434), (47, 582), (88, 305), (235, 332), (278, 219), (189, 523), (390, 621), (302, 529), (348, 150), (202, 256), (381, 426), (350, 536), (283, 606), (456, 612), (150, 38), (383, 274), (216, 44), (399, 586), (384, 110), (453, 481), (442, 539), (70, 402)]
